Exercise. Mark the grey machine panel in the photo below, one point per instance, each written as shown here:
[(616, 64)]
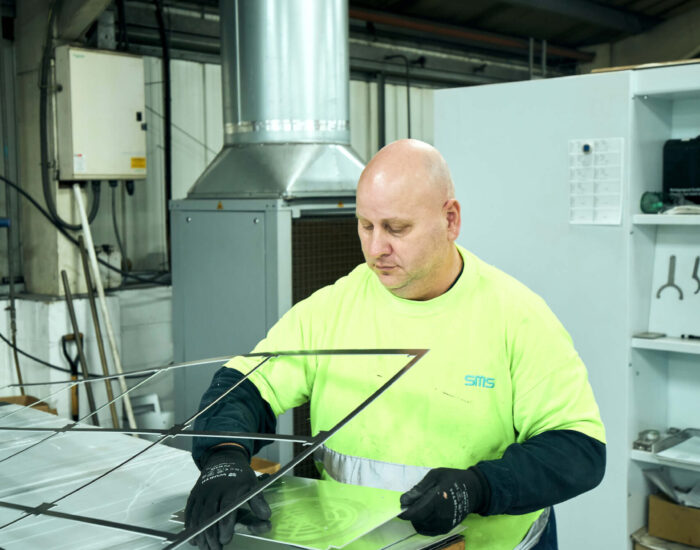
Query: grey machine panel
[(218, 292)]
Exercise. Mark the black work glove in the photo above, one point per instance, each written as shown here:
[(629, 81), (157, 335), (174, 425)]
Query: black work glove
[(226, 476), (442, 499)]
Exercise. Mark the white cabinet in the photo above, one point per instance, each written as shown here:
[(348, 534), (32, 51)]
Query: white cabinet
[(100, 115), (507, 147)]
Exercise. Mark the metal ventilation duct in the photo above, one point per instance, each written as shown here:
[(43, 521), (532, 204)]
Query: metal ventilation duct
[(286, 107)]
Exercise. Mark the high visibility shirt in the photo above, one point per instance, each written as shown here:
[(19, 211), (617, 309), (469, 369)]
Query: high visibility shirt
[(501, 369)]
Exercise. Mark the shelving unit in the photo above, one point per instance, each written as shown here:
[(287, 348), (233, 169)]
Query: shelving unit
[(664, 385), (650, 458), (673, 345), (661, 219)]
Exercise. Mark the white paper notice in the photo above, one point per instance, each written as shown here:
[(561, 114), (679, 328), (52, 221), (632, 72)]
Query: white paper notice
[(595, 181), (79, 164), (688, 451)]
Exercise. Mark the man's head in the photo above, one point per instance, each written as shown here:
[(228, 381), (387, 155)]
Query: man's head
[(408, 220)]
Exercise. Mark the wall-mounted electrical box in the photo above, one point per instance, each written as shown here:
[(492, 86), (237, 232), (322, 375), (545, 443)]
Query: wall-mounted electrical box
[(100, 115)]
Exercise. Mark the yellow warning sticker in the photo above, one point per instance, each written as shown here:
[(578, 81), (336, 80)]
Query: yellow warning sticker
[(138, 162)]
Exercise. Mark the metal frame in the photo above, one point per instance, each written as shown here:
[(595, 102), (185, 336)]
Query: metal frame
[(180, 430)]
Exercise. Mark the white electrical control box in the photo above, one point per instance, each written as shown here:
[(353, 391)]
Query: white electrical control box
[(100, 115)]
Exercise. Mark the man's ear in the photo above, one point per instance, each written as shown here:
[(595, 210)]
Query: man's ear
[(453, 215)]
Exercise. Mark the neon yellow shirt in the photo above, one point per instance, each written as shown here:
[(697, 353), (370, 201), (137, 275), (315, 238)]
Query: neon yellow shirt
[(501, 369)]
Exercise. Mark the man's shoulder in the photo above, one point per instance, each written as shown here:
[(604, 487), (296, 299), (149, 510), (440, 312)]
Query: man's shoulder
[(503, 286), (350, 284)]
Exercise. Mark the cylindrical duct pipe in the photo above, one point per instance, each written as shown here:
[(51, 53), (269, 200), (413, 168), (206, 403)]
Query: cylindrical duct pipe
[(285, 71)]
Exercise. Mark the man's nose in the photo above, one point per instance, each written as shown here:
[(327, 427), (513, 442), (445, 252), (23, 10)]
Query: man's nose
[(379, 244)]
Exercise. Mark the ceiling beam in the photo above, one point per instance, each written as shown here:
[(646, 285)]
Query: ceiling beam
[(594, 13), (461, 34), (76, 16)]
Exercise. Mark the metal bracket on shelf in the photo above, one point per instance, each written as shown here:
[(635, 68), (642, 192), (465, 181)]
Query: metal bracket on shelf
[(654, 441)]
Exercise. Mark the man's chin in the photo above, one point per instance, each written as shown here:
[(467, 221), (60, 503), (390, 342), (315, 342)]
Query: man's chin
[(391, 281)]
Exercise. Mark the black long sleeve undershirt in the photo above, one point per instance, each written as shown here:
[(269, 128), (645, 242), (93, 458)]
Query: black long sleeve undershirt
[(242, 410), (549, 468)]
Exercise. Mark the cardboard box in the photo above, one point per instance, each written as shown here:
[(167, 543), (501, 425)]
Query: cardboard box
[(644, 541), (28, 400), (673, 522)]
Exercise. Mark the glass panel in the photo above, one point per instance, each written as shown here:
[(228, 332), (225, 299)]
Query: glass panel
[(319, 515)]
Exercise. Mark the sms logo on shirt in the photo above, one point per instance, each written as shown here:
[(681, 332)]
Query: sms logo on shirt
[(479, 381)]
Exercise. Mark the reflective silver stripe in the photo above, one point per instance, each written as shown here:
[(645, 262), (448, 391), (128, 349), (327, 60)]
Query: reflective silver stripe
[(535, 532), (356, 470), (286, 125), (398, 477)]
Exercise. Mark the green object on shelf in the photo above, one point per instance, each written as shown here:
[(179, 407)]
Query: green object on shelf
[(654, 202)]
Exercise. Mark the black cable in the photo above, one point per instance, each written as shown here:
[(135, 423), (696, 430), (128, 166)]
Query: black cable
[(68, 236), (123, 36), (167, 121), (56, 367), (22, 352), (44, 132)]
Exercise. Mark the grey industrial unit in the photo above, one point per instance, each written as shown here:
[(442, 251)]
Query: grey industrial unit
[(286, 161), (233, 278)]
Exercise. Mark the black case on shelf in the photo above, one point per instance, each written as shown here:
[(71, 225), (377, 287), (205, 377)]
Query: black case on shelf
[(681, 168)]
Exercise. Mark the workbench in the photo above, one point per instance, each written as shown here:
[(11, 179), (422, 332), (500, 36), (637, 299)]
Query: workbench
[(46, 474)]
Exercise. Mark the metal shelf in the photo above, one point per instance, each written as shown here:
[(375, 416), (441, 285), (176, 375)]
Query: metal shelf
[(661, 219), (675, 345), (651, 458)]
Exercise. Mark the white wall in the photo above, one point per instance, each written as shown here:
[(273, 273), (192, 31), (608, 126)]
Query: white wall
[(364, 120), (142, 321)]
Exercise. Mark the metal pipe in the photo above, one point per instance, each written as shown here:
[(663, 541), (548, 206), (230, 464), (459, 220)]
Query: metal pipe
[(531, 57), (79, 345), (381, 109), (98, 330), (544, 59), (13, 308), (103, 303), (484, 39), (272, 93), (167, 123), (8, 214)]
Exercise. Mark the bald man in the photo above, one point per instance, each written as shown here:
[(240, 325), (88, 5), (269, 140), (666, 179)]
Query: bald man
[(497, 422)]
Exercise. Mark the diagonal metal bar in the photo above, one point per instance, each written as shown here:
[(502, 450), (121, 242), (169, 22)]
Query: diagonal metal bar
[(45, 399), (70, 426), (160, 439), (142, 451), (45, 511), (122, 394), (320, 439), (184, 433), (133, 374), (312, 443)]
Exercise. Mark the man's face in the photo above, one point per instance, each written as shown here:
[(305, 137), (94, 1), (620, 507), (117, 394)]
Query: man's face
[(405, 235)]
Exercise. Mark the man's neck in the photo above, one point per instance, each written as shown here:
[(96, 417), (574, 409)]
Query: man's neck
[(459, 273), (450, 275)]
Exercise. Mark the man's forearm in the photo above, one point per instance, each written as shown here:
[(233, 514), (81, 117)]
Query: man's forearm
[(242, 410), (549, 468)]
